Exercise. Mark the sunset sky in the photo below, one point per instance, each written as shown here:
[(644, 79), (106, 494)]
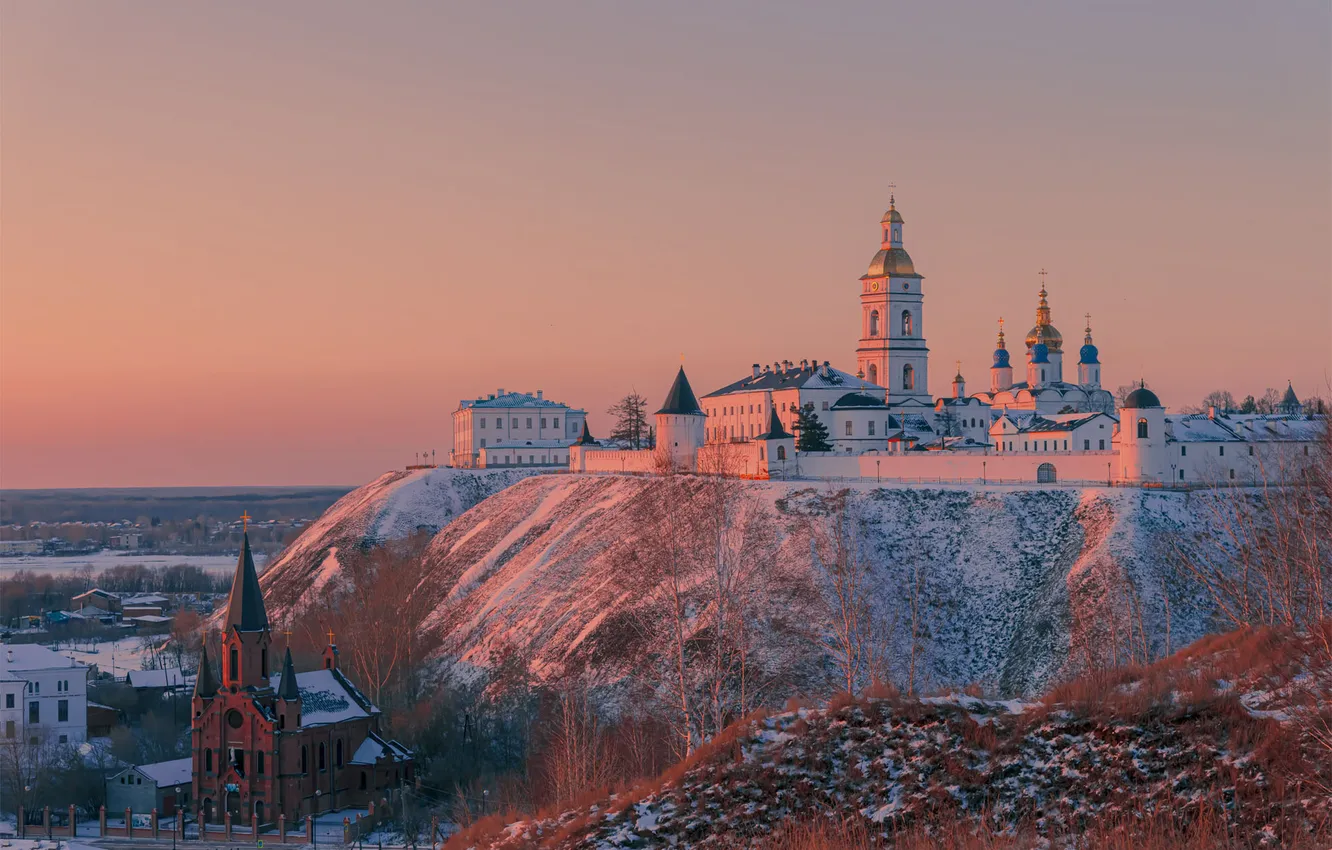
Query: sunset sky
[(275, 243)]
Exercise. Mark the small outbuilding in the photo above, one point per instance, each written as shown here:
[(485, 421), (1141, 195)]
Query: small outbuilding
[(163, 785)]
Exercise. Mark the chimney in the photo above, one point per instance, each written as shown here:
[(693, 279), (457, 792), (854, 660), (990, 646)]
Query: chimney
[(756, 370), (1211, 412), (539, 394), (501, 390), (804, 364)]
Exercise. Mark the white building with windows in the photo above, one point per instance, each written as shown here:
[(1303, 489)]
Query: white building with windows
[(739, 411), (50, 693), (523, 425)]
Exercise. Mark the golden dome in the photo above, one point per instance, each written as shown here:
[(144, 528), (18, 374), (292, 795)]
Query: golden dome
[(891, 261), (1047, 332), (1049, 335), (891, 217)]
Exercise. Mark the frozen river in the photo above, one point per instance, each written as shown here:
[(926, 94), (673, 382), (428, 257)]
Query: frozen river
[(99, 561)]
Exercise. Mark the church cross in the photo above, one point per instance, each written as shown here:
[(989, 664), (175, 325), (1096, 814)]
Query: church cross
[(245, 521), (330, 637), (1088, 317), (891, 199), (1042, 273)]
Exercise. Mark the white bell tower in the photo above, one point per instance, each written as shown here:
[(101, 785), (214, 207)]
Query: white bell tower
[(892, 351)]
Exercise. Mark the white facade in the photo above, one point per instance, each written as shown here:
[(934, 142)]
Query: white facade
[(524, 453), (53, 699), (739, 411), (512, 419)]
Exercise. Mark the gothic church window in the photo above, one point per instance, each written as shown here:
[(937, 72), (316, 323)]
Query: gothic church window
[(322, 765), (235, 664), (1142, 429), (906, 323), (781, 452)]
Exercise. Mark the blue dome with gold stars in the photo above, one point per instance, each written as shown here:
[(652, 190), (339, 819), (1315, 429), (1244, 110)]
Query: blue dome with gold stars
[(1040, 353), (1001, 358)]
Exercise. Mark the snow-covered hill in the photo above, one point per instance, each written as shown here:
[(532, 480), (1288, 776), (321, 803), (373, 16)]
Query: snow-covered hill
[(1015, 584), (1224, 733)]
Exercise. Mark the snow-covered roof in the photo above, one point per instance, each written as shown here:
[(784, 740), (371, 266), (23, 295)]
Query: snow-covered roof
[(168, 773), (167, 678), (327, 697), (150, 619), (146, 599), (374, 748), (1243, 427), (810, 377), (504, 400), (21, 657)]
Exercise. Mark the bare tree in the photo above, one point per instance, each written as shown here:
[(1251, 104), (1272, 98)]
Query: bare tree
[(1270, 562), (577, 757)]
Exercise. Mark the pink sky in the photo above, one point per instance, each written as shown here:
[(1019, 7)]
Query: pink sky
[(276, 243)]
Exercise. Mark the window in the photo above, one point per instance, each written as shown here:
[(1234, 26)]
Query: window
[(9, 700), (529, 422), (555, 422), (515, 423), (825, 405), (873, 374), (64, 739), (906, 323), (1306, 451), (874, 323), (1086, 445), (1183, 451), (263, 661), (305, 760), (543, 422), (337, 758), (322, 765), (1232, 473), (483, 423), (1181, 475), (1223, 451), (35, 687), (208, 760), (1066, 445), (1102, 445), (9, 728), (62, 711), (1024, 445), (259, 762), (363, 780), (781, 452), (908, 377), (235, 664), (871, 429), (1142, 429), (34, 712)]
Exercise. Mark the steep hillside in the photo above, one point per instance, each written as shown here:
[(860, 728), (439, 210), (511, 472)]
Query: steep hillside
[(1014, 584), (1226, 733), (393, 506)]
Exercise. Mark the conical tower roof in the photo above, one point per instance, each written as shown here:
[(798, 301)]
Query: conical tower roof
[(205, 684), (586, 439), (287, 688), (681, 398), (245, 606), (775, 429)]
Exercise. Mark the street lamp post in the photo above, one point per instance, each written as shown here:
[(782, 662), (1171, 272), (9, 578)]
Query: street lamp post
[(984, 477), (877, 479), (314, 827), (179, 819)]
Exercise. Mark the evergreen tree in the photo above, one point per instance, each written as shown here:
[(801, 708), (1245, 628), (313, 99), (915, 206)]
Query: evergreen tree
[(631, 428), (813, 433)]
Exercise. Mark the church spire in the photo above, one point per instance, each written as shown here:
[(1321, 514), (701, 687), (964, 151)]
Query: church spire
[(245, 606), (287, 688), (205, 683)]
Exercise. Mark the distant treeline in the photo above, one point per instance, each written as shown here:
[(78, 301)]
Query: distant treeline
[(20, 507)]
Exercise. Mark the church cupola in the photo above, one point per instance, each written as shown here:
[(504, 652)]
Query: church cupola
[(1089, 363), (289, 696), (1001, 373), (1038, 367), (246, 637), (959, 383), (1054, 341), (205, 683), (892, 225)]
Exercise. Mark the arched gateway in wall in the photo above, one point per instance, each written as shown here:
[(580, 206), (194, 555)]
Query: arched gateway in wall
[(1045, 474)]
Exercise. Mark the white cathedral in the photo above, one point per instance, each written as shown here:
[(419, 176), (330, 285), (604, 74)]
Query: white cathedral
[(884, 424)]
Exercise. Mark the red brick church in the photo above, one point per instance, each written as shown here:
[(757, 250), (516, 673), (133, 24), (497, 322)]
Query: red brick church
[(287, 743)]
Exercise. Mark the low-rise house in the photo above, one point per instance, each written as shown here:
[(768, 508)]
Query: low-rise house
[(97, 598), (54, 699), (163, 785)]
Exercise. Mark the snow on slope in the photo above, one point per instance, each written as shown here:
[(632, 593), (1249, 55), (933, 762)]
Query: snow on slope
[(393, 506), (544, 566)]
